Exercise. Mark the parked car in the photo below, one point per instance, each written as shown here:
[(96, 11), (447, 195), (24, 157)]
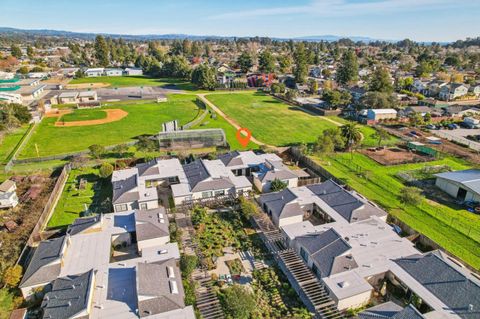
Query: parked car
[(431, 127)]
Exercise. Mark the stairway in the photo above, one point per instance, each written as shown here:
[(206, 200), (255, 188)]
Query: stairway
[(207, 301)]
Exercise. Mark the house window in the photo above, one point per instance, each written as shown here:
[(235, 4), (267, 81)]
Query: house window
[(206, 194), (304, 254), (121, 208), (220, 193), (143, 206)]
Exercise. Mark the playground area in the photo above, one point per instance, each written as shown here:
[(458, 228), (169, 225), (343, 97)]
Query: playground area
[(396, 155)]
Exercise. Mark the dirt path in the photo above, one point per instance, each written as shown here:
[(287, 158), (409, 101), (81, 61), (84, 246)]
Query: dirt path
[(113, 115), (228, 119)]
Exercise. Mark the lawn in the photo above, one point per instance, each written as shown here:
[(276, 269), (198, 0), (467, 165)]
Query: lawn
[(84, 115), (271, 121), (94, 193), (124, 81), (142, 118), (11, 141), (457, 231)]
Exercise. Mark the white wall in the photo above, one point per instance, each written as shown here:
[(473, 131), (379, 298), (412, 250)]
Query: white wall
[(150, 204), (353, 301), (152, 242), (290, 220), (448, 187)]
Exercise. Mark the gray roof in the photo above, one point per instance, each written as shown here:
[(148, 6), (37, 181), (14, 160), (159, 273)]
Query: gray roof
[(69, 296), (279, 203), (409, 312), (154, 287), (81, 224), (231, 158), (39, 271), (280, 174), (197, 174), (151, 223), (122, 188), (448, 284), (390, 310), (324, 249), (342, 201), (470, 178), (381, 311), (149, 168)]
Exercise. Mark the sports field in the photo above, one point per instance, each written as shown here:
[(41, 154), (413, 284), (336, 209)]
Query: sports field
[(125, 81), (84, 115), (142, 118), (271, 121), (456, 230)]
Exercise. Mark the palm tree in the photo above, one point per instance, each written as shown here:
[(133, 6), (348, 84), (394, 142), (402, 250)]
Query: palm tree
[(352, 135)]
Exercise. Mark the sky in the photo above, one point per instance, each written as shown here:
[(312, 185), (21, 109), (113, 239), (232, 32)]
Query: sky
[(420, 20)]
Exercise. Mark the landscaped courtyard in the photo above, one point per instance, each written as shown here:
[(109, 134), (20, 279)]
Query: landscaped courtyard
[(231, 248), (84, 192)]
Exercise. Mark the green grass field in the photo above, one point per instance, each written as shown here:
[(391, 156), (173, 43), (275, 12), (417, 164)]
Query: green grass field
[(142, 118), (124, 81), (271, 121), (458, 231), (73, 200), (84, 115), (10, 142)]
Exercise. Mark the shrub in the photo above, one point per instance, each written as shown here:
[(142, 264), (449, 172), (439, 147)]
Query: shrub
[(410, 195), (106, 169)]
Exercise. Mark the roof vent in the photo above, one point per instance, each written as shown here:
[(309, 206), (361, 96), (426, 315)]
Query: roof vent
[(343, 284), (470, 307)]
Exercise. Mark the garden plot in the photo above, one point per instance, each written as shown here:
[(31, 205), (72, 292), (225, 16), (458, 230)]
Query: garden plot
[(84, 193), (395, 156)]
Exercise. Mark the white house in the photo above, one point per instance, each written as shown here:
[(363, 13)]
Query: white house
[(113, 72), (452, 91), (11, 97), (93, 72), (133, 71), (8, 194)]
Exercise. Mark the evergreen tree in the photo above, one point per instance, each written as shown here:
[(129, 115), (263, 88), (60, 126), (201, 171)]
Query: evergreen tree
[(301, 67), (381, 81), (204, 77), (101, 51), (266, 62), (245, 62), (348, 69)]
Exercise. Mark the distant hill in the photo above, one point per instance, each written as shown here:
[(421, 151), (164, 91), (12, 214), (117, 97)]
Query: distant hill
[(90, 36)]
